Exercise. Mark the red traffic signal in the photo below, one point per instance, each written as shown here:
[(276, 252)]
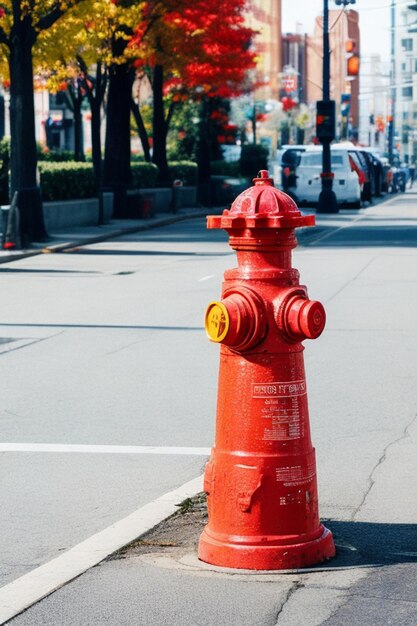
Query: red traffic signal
[(353, 65), (350, 46), (325, 120), (352, 58)]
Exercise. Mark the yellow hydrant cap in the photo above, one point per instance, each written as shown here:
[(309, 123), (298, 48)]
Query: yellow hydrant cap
[(217, 321)]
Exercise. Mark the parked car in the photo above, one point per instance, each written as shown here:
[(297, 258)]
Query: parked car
[(387, 176), (346, 183), (379, 175), (357, 165), (400, 177), (361, 170), (370, 165), (283, 166), (369, 188)]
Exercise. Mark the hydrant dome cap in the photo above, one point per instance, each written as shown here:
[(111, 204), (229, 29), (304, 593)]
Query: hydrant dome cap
[(262, 206)]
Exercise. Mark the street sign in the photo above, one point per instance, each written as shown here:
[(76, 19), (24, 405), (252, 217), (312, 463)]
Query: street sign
[(290, 84)]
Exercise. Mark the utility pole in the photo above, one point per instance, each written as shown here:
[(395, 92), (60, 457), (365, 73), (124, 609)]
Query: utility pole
[(391, 127), (326, 114)]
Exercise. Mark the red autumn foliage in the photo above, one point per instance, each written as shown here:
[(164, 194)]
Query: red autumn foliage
[(203, 45), (288, 104)]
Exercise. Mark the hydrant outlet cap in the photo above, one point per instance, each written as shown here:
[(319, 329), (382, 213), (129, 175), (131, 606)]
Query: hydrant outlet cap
[(312, 319), (261, 206), (217, 321)]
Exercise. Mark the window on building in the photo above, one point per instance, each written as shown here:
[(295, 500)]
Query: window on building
[(403, 67), (407, 92), (407, 44)]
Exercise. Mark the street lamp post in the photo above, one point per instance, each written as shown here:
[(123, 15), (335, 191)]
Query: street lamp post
[(327, 199), (391, 127)]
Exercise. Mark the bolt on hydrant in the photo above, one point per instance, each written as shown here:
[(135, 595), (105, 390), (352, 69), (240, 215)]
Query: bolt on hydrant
[(261, 478)]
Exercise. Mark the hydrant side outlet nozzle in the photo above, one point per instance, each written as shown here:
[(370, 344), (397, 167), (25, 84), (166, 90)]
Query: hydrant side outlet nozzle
[(261, 479), (238, 321), (301, 318)]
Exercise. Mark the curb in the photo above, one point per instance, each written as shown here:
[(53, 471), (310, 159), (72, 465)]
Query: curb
[(63, 247), (40, 582)]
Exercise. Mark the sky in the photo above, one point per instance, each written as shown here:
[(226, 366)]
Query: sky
[(374, 20)]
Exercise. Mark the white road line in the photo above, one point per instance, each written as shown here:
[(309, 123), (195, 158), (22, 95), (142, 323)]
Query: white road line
[(25, 591), (200, 280), (92, 449)]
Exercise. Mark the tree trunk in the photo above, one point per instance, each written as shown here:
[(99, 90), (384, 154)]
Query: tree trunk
[(22, 130), (117, 175), (203, 155), (95, 90), (159, 156), (285, 135), (143, 135), (76, 100), (95, 99), (95, 107), (300, 136), (253, 122)]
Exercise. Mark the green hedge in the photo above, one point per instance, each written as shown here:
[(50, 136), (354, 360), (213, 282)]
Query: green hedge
[(74, 180), (144, 175), (186, 171), (66, 181), (44, 154)]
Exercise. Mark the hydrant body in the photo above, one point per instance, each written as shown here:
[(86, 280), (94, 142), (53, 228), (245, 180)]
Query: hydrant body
[(261, 477)]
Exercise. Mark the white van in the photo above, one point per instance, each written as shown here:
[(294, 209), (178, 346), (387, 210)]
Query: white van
[(345, 183)]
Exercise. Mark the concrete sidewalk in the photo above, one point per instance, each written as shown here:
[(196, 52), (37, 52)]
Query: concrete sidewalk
[(70, 238)]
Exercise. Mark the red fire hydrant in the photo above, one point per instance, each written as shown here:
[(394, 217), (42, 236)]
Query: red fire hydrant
[(261, 477)]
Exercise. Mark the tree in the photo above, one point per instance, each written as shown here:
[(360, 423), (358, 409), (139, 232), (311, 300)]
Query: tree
[(137, 112), (87, 60), (117, 173), (196, 49), (75, 95), (21, 22)]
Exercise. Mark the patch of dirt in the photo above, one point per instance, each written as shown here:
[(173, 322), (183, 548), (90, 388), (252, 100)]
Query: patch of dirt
[(178, 533)]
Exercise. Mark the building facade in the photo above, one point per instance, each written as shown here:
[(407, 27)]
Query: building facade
[(294, 63), (374, 108), (264, 16), (403, 92)]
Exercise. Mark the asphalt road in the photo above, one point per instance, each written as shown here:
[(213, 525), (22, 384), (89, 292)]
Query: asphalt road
[(105, 346), (114, 354)]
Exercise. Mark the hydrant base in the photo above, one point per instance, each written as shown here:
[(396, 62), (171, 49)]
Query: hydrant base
[(266, 557)]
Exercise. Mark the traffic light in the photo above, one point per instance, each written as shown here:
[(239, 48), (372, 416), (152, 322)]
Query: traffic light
[(353, 66), (326, 120), (352, 59), (380, 123)]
